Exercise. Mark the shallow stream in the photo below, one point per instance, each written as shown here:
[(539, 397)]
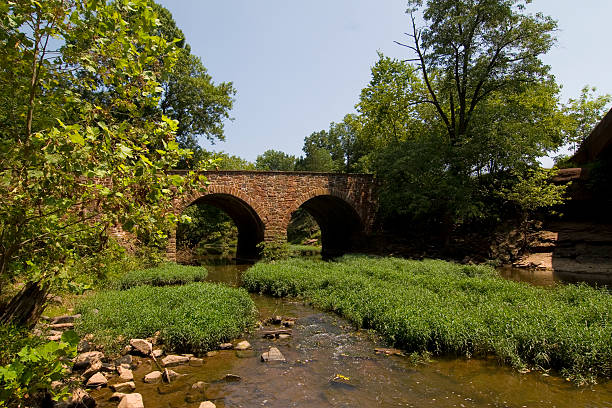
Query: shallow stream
[(324, 346)]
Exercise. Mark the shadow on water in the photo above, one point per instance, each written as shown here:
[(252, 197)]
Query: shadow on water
[(323, 346)]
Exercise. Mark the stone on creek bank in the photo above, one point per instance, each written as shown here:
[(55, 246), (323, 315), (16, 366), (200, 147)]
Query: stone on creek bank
[(97, 380), (117, 396), (84, 360), (243, 345), (124, 387), (226, 346), (273, 354), (157, 353), (79, 399), (170, 375), (207, 404), (196, 362), (154, 377), (125, 373), (65, 319), (389, 351), (174, 360), (270, 334), (142, 346), (131, 401)]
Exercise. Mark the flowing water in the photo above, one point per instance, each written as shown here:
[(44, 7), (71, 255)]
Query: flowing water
[(330, 364)]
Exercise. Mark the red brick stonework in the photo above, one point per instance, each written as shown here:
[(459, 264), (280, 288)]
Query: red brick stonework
[(261, 204)]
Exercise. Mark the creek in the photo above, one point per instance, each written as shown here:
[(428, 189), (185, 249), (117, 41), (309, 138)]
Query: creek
[(324, 346)]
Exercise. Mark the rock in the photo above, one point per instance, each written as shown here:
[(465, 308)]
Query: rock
[(131, 401), (170, 375), (273, 354), (97, 380), (56, 337), (128, 386), (231, 378), (65, 319), (83, 360), (127, 359), (212, 353), (174, 360), (153, 377), (80, 399), (62, 326), (284, 336), (94, 367), (275, 320), (108, 368), (84, 346), (142, 346), (270, 334), (288, 322), (389, 351), (125, 373), (226, 346), (200, 386), (117, 396), (127, 350), (157, 353), (196, 362), (207, 404), (243, 345)]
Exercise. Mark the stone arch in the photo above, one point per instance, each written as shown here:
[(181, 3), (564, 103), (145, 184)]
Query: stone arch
[(246, 214), (341, 224)]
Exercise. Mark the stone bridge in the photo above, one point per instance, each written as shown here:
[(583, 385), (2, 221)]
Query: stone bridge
[(261, 203)]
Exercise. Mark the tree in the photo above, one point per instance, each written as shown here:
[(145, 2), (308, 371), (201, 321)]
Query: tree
[(583, 114), (275, 160), (317, 159), (471, 50), (101, 158)]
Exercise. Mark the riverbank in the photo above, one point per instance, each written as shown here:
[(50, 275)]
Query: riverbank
[(447, 308)]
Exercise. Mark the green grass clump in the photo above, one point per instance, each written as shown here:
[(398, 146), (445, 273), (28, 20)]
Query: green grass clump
[(192, 318), (163, 275), (443, 308)]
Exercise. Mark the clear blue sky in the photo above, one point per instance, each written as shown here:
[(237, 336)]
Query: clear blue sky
[(299, 65)]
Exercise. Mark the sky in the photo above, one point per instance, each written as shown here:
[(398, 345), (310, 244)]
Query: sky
[(297, 66)]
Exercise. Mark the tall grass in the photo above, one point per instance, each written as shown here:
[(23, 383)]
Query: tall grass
[(163, 275), (446, 308), (191, 318)]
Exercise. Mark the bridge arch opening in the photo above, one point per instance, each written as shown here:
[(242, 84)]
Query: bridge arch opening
[(250, 228), (341, 227)]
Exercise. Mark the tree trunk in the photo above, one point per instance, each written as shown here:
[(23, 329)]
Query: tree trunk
[(25, 307)]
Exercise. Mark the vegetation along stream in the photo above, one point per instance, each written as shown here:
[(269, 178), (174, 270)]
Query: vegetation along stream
[(331, 364)]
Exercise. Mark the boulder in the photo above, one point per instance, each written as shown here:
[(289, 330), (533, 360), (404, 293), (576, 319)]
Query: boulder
[(84, 360), (226, 346), (65, 319), (84, 346), (80, 399), (273, 354), (153, 377), (127, 359), (97, 380), (125, 373), (170, 375), (174, 360), (157, 353), (243, 345), (126, 387), (212, 353), (200, 386), (94, 367), (231, 378), (207, 404), (142, 346), (117, 396), (131, 401), (196, 362)]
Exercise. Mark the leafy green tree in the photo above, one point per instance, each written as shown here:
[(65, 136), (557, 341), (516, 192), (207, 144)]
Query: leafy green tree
[(275, 160), (66, 179), (448, 128), (583, 114), (317, 159), (471, 50)]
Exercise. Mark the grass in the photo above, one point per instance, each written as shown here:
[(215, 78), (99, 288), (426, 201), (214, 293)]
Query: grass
[(304, 250), (163, 275), (446, 308), (192, 318)]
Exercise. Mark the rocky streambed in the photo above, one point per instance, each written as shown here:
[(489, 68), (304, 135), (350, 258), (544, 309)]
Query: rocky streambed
[(301, 357)]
